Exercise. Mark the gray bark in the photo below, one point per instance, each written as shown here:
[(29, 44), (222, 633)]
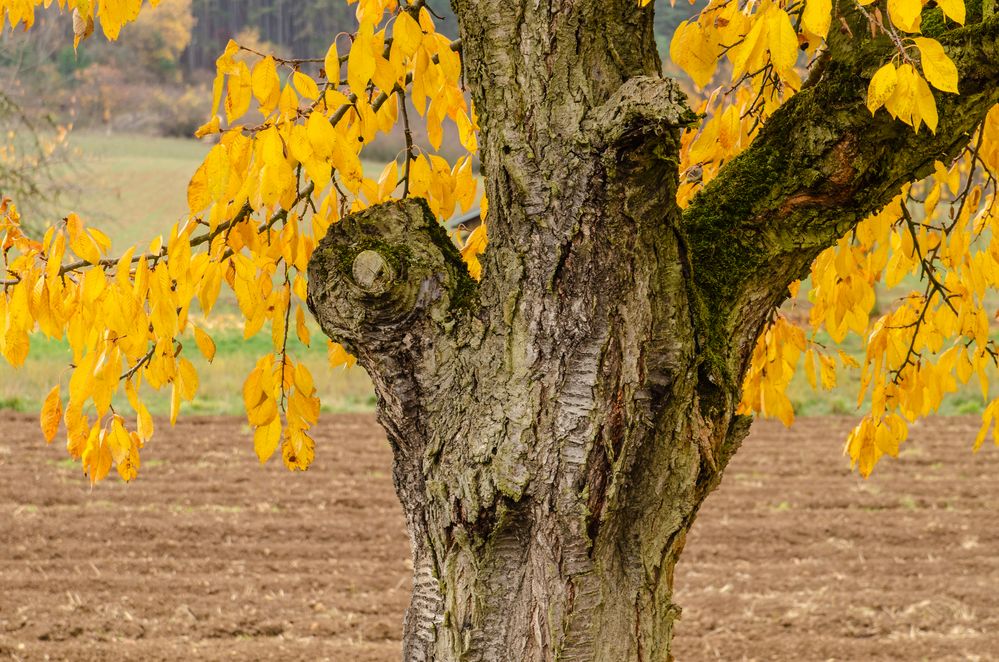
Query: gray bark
[(557, 426)]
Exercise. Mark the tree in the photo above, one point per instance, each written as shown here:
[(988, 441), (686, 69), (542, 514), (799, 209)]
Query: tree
[(560, 404)]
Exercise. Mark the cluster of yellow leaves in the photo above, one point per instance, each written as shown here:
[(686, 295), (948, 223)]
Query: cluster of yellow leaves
[(315, 125), (775, 359), (926, 343), (761, 45), (724, 133), (898, 85), (756, 39), (904, 93), (263, 197), (774, 363), (112, 14), (274, 383), (126, 315)]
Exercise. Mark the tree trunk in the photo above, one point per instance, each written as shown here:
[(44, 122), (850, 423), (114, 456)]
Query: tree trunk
[(555, 429), (549, 465), (557, 426)]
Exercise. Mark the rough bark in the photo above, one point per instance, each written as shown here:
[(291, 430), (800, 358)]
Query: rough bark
[(557, 426)]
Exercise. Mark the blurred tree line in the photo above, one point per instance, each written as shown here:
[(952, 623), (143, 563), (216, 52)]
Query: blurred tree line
[(156, 78), (302, 28)]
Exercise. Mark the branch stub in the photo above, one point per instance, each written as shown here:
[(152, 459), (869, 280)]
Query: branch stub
[(371, 272)]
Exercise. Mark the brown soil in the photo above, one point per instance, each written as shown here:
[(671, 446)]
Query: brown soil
[(209, 556)]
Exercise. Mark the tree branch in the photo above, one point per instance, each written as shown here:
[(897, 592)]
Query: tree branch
[(380, 273), (390, 286), (820, 165)]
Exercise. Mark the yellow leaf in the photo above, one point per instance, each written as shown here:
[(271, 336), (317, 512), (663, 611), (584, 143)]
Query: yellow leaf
[(16, 345), (886, 441), (205, 344), (298, 450), (239, 92), (266, 439), (82, 242), (144, 422), (406, 35), (212, 126), (303, 380), (305, 85), (77, 432), (827, 370), (693, 51), (475, 245), (321, 134), (338, 356), (264, 80), (113, 16), (331, 64), (174, 402), (198, 191), (882, 86), (953, 9), (118, 441), (96, 456), (226, 63), (905, 14), (810, 368), (128, 467), (939, 69), (926, 106), (300, 327), (847, 360), (747, 54), (902, 101), (288, 102), (987, 416), (361, 61), (817, 17), (51, 414), (188, 379), (781, 40)]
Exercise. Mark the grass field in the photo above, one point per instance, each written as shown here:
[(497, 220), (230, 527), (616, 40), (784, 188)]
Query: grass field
[(135, 187)]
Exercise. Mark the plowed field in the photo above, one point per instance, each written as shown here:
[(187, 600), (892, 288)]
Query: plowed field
[(210, 556)]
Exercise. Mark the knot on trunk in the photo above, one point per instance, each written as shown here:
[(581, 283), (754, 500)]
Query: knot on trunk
[(643, 106), (385, 272), (372, 272)]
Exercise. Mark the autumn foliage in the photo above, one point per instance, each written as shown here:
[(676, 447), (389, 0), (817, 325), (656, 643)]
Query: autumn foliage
[(269, 189)]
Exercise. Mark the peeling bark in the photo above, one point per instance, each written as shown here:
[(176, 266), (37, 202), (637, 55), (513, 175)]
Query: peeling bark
[(557, 426)]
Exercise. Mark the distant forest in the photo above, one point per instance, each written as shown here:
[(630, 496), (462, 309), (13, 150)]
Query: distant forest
[(157, 77), (302, 28)]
